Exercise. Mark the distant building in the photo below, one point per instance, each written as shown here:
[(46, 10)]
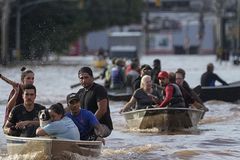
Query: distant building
[(174, 27)]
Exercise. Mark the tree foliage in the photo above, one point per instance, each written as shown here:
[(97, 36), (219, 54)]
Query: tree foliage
[(55, 25)]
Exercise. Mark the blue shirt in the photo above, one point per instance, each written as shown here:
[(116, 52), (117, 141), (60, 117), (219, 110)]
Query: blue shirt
[(64, 128), (85, 121)]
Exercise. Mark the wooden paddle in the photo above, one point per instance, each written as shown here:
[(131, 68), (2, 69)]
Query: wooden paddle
[(75, 85), (12, 83), (78, 84)]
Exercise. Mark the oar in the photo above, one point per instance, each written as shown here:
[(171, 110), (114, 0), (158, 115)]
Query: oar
[(78, 84), (234, 83), (75, 85), (8, 80)]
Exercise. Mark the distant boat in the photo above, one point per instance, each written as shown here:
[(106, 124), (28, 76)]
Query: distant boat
[(164, 119), (119, 95), (52, 147), (229, 93)]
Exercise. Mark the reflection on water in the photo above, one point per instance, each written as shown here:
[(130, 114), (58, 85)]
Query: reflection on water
[(129, 152), (187, 154), (216, 137), (41, 156), (33, 155)]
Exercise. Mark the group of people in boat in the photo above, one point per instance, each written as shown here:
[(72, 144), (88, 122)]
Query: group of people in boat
[(154, 87), (173, 91), (87, 116), (117, 75)]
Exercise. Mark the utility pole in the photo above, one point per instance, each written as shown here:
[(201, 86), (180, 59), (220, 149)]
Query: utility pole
[(4, 28), (201, 28), (187, 38), (238, 23), (219, 5), (18, 30), (147, 26)]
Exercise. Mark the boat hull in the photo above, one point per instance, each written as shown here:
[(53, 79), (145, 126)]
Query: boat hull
[(230, 93), (52, 147), (164, 119), (119, 95)]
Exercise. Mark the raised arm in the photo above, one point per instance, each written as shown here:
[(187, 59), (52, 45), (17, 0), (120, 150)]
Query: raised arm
[(12, 101), (8, 80)]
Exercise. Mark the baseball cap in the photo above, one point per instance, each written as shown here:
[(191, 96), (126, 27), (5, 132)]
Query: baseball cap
[(162, 74), (72, 96)]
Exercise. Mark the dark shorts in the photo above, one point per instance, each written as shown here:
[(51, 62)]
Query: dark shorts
[(105, 130)]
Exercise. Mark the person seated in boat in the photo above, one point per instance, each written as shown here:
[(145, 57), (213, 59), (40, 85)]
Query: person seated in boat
[(88, 125), (209, 78), (15, 97), (23, 119), (129, 66), (131, 76), (145, 70), (60, 127), (186, 95), (156, 69), (172, 94), (101, 54), (147, 95), (118, 78), (190, 97), (172, 77), (94, 98), (106, 73)]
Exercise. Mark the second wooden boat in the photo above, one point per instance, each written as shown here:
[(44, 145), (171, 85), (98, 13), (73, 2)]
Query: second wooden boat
[(164, 119), (229, 93)]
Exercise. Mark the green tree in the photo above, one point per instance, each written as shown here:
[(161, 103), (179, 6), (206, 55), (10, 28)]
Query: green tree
[(55, 25)]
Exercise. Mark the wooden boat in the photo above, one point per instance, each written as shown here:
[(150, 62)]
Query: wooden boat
[(51, 147), (230, 93), (165, 119), (119, 95)]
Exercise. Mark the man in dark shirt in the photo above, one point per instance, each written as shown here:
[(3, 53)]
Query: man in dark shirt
[(94, 98), (23, 119), (208, 78), (156, 69)]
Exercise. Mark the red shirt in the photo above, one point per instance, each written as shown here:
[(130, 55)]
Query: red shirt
[(168, 96)]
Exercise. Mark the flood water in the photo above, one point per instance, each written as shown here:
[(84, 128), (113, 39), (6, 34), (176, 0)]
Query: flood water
[(216, 137)]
